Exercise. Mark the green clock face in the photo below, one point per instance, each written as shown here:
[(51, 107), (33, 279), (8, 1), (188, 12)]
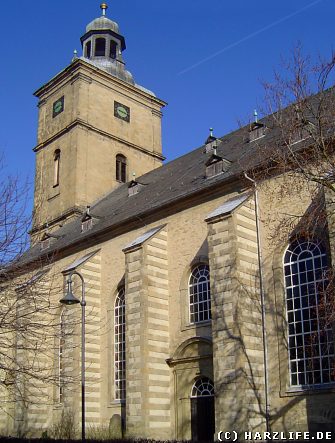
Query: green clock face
[(122, 111), (58, 107)]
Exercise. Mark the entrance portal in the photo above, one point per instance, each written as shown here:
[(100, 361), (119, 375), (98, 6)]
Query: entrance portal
[(202, 410)]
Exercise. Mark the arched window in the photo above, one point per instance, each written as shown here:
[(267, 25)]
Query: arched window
[(310, 337), (113, 48), (203, 387), (60, 356), (88, 49), (202, 410), (100, 47), (200, 296), (120, 345), (56, 167), (121, 168)]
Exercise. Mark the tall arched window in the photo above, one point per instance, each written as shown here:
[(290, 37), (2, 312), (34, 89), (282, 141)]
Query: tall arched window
[(202, 410), (120, 345), (100, 47), (121, 168), (310, 337), (200, 296), (60, 357), (56, 167)]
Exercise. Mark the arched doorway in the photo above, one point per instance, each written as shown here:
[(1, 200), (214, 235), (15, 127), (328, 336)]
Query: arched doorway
[(202, 410)]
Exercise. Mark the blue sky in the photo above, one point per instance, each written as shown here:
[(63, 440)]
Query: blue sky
[(206, 59)]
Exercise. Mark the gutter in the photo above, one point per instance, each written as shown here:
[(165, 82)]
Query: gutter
[(261, 287)]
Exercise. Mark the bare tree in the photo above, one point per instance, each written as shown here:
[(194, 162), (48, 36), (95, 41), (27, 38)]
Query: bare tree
[(31, 331), (293, 165)]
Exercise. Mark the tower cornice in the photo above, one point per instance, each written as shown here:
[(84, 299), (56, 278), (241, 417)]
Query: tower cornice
[(81, 65)]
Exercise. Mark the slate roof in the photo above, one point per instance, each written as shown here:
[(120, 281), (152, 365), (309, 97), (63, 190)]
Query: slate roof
[(167, 185)]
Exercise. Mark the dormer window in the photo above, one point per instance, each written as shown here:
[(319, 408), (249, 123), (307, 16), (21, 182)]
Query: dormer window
[(257, 131), (47, 239), (134, 188), (216, 165), (300, 133), (86, 225), (100, 47), (211, 142), (45, 243), (88, 220)]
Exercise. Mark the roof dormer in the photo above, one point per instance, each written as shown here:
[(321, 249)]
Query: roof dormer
[(134, 187), (88, 220), (211, 142), (47, 239), (216, 165), (257, 129)]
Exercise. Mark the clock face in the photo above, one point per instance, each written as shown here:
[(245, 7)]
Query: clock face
[(122, 111), (58, 107)]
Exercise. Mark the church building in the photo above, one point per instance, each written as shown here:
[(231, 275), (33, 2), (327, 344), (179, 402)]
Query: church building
[(196, 319)]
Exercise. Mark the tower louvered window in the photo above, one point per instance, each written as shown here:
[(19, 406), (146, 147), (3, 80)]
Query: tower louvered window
[(100, 47)]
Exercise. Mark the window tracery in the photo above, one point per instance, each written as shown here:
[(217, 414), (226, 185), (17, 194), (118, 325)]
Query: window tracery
[(120, 345), (310, 338), (199, 294), (203, 387)]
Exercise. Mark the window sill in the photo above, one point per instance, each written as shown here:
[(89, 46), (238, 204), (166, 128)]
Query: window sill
[(310, 390), (58, 406), (54, 193), (202, 324), (115, 403)]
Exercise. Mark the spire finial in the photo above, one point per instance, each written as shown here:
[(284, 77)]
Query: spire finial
[(256, 116), (75, 55), (211, 132), (103, 8)]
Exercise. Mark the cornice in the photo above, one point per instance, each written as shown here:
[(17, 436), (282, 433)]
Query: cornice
[(83, 124), (75, 210)]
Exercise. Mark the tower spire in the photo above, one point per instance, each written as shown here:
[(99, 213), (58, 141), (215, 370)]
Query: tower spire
[(103, 8)]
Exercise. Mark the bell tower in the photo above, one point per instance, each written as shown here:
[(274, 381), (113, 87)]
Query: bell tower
[(96, 128)]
